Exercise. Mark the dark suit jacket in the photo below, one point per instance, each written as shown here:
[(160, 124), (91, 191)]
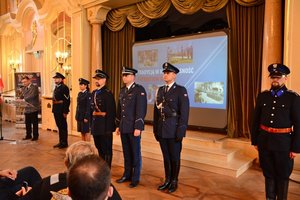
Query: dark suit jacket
[(31, 95), (59, 182)]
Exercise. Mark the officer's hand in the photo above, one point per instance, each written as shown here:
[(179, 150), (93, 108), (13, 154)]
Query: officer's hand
[(85, 120), (137, 132), (65, 115), (292, 155), (255, 146), (156, 137), (117, 131), (178, 139)]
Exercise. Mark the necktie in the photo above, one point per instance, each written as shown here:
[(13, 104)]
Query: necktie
[(166, 88), (126, 89)]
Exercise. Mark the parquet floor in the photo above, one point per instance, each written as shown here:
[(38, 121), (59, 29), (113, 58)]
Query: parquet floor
[(193, 184)]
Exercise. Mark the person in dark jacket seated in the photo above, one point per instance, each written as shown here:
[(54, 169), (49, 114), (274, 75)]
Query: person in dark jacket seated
[(56, 184), (11, 181)]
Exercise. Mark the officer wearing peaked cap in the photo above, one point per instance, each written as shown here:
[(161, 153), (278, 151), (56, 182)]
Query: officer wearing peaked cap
[(127, 70), (275, 132), (83, 109), (60, 109), (132, 108), (168, 67), (171, 113), (103, 116), (100, 74)]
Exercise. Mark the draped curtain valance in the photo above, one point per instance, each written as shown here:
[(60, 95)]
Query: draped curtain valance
[(139, 15)]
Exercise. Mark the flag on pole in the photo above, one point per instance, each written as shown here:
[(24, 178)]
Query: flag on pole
[(1, 84)]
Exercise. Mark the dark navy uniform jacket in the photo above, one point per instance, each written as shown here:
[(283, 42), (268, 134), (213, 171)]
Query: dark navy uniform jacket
[(83, 109), (61, 93), (279, 109), (171, 112), (132, 108), (103, 101)]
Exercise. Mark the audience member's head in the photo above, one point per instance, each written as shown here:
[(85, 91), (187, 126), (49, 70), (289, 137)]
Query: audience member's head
[(89, 179), (79, 150)]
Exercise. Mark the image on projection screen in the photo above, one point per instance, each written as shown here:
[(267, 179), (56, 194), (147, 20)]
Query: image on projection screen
[(202, 61)]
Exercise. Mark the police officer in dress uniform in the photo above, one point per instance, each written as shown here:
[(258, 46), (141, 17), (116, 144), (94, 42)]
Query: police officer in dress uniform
[(83, 109), (131, 112), (60, 109), (104, 114), (171, 113), (275, 132)]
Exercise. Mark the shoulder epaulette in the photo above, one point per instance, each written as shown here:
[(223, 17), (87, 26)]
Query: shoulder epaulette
[(293, 92)]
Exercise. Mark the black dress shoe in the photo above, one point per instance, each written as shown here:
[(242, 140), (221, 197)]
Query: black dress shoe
[(133, 184), (164, 186), (62, 146), (172, 187), (27, 138), (57, 145), (34, 139), (122, 179)]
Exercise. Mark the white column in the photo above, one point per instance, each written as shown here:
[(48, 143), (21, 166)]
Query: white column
[(96, 16)]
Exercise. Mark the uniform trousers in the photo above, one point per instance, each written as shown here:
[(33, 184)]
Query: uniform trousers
[(61, 123), (171, 149), (132, 156), (104, 144), (32, 126), (276, 165)]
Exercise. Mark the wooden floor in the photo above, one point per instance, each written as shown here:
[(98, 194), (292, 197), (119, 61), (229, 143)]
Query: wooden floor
[(193, 184)]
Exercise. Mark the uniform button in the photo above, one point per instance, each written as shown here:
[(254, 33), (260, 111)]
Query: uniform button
[(271, 122), (264, 104), (272, 114), (273, 108), (122, 110), (123, 104), (282, 105), (123, 115), (274, 101)]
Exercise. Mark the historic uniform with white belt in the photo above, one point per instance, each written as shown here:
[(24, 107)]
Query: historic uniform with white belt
[(275, 132), (60, 109), (171, 113), (104, 114), (131, 112)]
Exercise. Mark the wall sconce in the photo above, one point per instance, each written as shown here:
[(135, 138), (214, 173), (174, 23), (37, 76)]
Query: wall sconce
[(67, 69), (61, 57), (14, 64)]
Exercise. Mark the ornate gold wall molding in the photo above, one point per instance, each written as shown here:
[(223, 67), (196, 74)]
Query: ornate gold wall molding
[(97, 14), (140, 14)]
